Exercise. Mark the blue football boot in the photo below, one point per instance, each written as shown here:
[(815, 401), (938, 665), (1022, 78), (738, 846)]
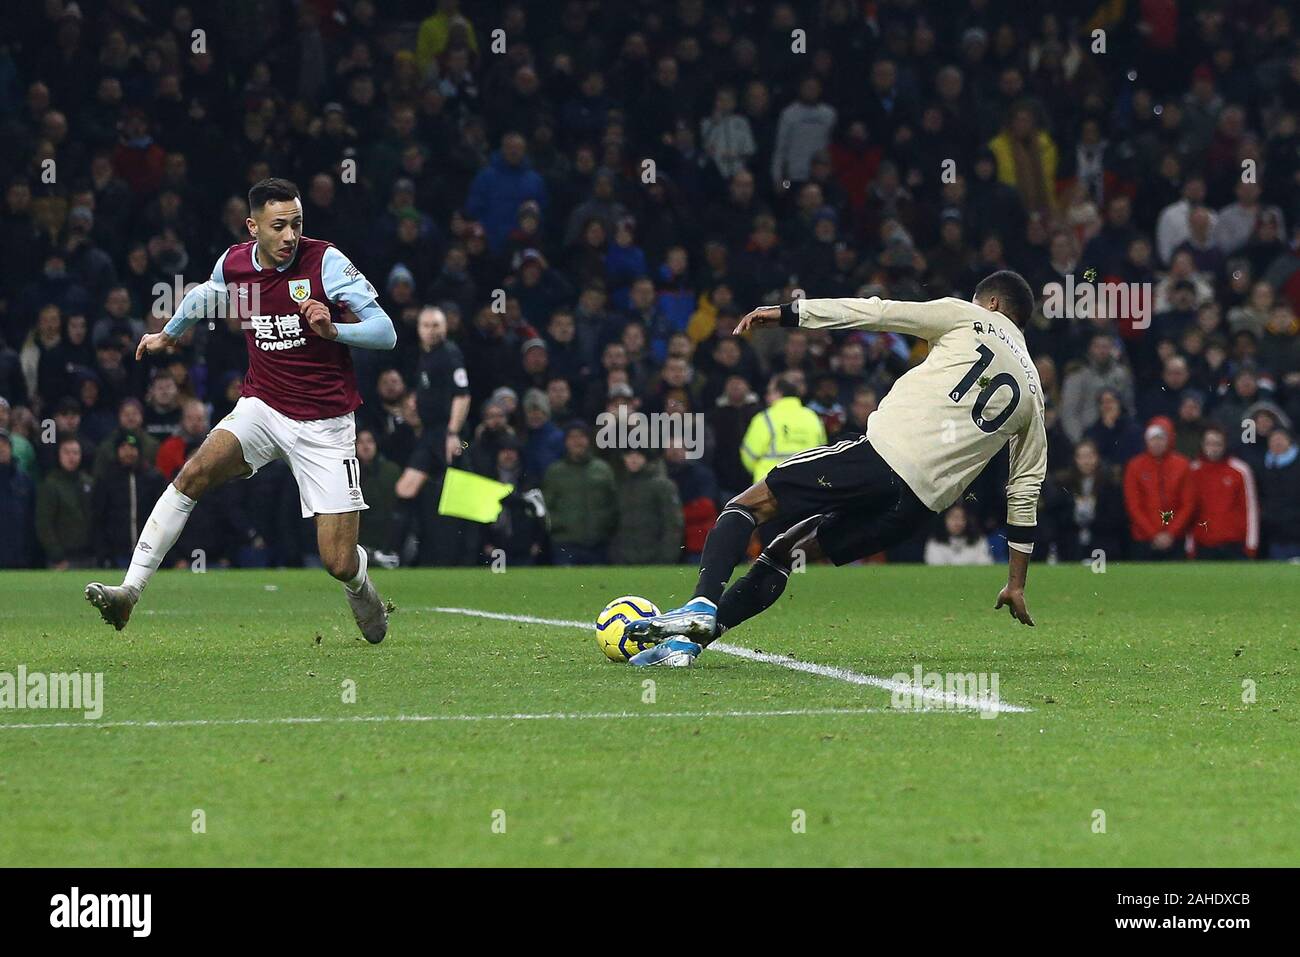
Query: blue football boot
[(674, 652), (696, 620)]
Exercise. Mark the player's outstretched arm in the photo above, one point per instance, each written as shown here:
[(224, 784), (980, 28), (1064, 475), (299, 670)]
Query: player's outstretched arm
[(1013, 595), (762, 316), (201, 301), (1028, 469), (925, 320), (154, 342)]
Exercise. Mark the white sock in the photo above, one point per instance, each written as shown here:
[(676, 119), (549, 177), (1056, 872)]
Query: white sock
[(162, 529), (357, 583)]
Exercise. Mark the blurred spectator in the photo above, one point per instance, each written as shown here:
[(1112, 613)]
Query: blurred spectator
[(545, 441), (491, 434), (1026, 159), (378, 487), (498, 191), (803, 130), (176, 448), (17, 510), (581, 500), (221, 531), (782, 429), (1159, 495), (122, 499), (1173, 225), (726, 136), (957, 542), (67, 424), (64, 511), (1191, 424), (1226, 525), (519, 533), (24, 454), (130, 418), (697, 489), (650, 523), (1279, 483), (729, 421), (1097, 519), (1084, 385), (1163, 399)]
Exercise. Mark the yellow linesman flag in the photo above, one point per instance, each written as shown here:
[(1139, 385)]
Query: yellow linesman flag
[(472, 497)]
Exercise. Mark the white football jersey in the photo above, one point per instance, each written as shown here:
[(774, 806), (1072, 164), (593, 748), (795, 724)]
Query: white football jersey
[(946, 418)]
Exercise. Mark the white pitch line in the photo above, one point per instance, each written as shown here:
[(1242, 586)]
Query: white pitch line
[(425, 718), (929, 695)]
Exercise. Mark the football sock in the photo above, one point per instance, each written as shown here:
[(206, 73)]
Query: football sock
[(164, 526), (753, 594), (723, 550), (357, 582)]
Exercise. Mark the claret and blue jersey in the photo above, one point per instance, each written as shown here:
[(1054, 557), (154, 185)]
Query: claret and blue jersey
[(290, 367)]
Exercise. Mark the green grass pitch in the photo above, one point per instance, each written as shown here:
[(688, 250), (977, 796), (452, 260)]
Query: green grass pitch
[(1134, 677)]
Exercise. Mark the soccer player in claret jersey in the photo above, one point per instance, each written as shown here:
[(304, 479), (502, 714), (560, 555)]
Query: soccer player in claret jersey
[(298, 398), (934, 432)]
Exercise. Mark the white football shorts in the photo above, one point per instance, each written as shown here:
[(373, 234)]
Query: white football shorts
[(322, 453)]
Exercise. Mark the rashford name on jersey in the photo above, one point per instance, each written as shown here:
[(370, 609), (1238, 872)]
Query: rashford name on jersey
[(976, 391)]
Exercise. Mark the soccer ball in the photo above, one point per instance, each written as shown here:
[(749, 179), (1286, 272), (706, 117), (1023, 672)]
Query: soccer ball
[(616, 616)]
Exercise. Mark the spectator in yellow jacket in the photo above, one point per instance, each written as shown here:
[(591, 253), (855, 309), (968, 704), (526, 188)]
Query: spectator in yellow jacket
[(1026, 158)]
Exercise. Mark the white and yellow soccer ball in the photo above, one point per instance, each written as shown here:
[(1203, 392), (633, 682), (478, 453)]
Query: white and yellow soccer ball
[(615, 617)]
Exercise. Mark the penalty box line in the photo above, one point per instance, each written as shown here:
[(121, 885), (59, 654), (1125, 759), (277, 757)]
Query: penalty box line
[(931, 696)]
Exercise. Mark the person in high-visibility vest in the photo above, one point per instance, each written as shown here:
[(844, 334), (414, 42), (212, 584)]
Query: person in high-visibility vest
[(785, 427)]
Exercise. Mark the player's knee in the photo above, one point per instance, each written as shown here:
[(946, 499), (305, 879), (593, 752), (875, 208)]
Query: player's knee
[(801, 537), (757, 500), (343, 565), (193, 479)]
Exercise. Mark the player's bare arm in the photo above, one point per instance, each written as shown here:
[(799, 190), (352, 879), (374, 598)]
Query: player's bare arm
[(762, 316), (456, 422), (1012, 595), (152, 343)]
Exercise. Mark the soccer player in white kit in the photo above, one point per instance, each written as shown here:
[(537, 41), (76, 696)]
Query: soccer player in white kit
[(935, 431), (298, 398)]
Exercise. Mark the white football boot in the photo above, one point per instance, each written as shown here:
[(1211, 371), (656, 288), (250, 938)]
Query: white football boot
[(370, 611), (113, 601)]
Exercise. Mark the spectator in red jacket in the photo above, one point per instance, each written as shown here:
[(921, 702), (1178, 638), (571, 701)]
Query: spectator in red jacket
[(138, 159), (1159, 496), (175, 449), (1227, 508)]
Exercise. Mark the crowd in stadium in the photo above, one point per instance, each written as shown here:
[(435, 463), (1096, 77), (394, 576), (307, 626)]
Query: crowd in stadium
[(588, 196)]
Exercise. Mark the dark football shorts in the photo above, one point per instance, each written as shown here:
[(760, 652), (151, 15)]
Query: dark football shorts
[(430, 453), (868, 508)]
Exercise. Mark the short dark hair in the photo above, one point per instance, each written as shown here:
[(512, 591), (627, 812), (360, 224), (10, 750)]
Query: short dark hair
[(1012, 291), (784, 386), (272, 189)]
